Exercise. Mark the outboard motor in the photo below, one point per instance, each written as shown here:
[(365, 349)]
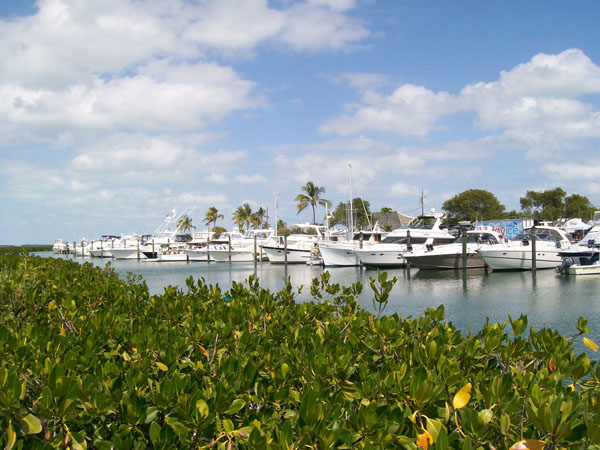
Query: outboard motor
[(564, 266)]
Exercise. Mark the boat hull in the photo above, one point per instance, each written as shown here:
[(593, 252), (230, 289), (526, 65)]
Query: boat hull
[(127, 253), (277, 255), (447, 261), (516, 259), (592, 269), (237, 255), (339, 256), (388, 258)]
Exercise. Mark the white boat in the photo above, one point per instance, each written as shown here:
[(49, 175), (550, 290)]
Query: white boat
[(60, 247), (196, 248), (423, 230), (450, 256), (342, 253), (583, 257), (302, 245), (248, 248), (517, 254), (102, 248)]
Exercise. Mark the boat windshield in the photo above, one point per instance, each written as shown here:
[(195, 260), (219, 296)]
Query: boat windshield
[(478, 238), (542, 234), (421, 223)]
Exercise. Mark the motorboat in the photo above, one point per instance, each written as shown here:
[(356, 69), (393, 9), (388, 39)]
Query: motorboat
[(517, 254), (301, 246), (196, 248), (421, 231), (583, 257), (102, 248), (342, 252), (450, 256), (248, 248), (60, 247)]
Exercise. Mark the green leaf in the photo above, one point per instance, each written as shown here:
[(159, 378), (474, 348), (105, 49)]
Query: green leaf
[(235, 406), (202, 407), (155, 430), (12, 437), (284, 369), (33, 424), (79, 442), (486, 415), (162, 366), (228, 425)]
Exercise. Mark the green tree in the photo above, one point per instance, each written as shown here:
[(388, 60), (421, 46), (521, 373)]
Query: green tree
[(282, 228), (218, 231), (311, 196), (578, 206), (242, 217), (545, 205), (185, 223), (258, 218), (361, 211), (212, 215), (472, 205)]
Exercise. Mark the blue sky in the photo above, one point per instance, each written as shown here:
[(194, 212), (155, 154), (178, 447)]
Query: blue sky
[(115, 111)]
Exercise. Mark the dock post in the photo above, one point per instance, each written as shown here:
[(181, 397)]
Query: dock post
[(285, 250), (207, 250), (138, 250), (464, 250), (533, 248), (153, 254), (229, 249), (254, 254)]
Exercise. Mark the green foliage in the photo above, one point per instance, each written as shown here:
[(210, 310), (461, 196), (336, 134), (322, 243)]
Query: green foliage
[(88, 360), (218, 231), (211, 216), (23, 249), (472, 205), (553, 204), (361, 211), (242, 216)]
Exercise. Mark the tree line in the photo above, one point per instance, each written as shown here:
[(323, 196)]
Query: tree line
[(470, 205)]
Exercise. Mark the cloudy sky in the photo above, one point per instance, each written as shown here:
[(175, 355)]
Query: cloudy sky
[(114, 111)]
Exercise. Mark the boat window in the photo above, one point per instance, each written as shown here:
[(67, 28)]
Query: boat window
[(442, 241)]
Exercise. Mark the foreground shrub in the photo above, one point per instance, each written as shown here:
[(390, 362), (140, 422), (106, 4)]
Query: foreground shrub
[(90, 360)]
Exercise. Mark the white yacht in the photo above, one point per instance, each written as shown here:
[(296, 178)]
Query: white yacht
[(423, 230), (102, 248), (60, 247), (302, 245), (450, 256), (246, 249), (517, 254), (343, 252)]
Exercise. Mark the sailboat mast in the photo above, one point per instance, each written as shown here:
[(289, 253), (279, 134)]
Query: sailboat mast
[(276, 218), (351, 205), (422, 202)]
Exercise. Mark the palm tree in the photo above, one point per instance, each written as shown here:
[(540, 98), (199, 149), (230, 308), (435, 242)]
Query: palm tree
[(185, 223), (212, 215), (310, 198), (242, 217), (258, 218)]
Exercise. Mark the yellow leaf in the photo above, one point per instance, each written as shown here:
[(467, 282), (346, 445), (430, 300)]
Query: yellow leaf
[(63, 333), (590, 344), (462, 397), (162, 366), (529, 444), (204, 351), (424, 439)]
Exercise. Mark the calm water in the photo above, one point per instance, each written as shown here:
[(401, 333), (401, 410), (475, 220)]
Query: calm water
[(547, 299)]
